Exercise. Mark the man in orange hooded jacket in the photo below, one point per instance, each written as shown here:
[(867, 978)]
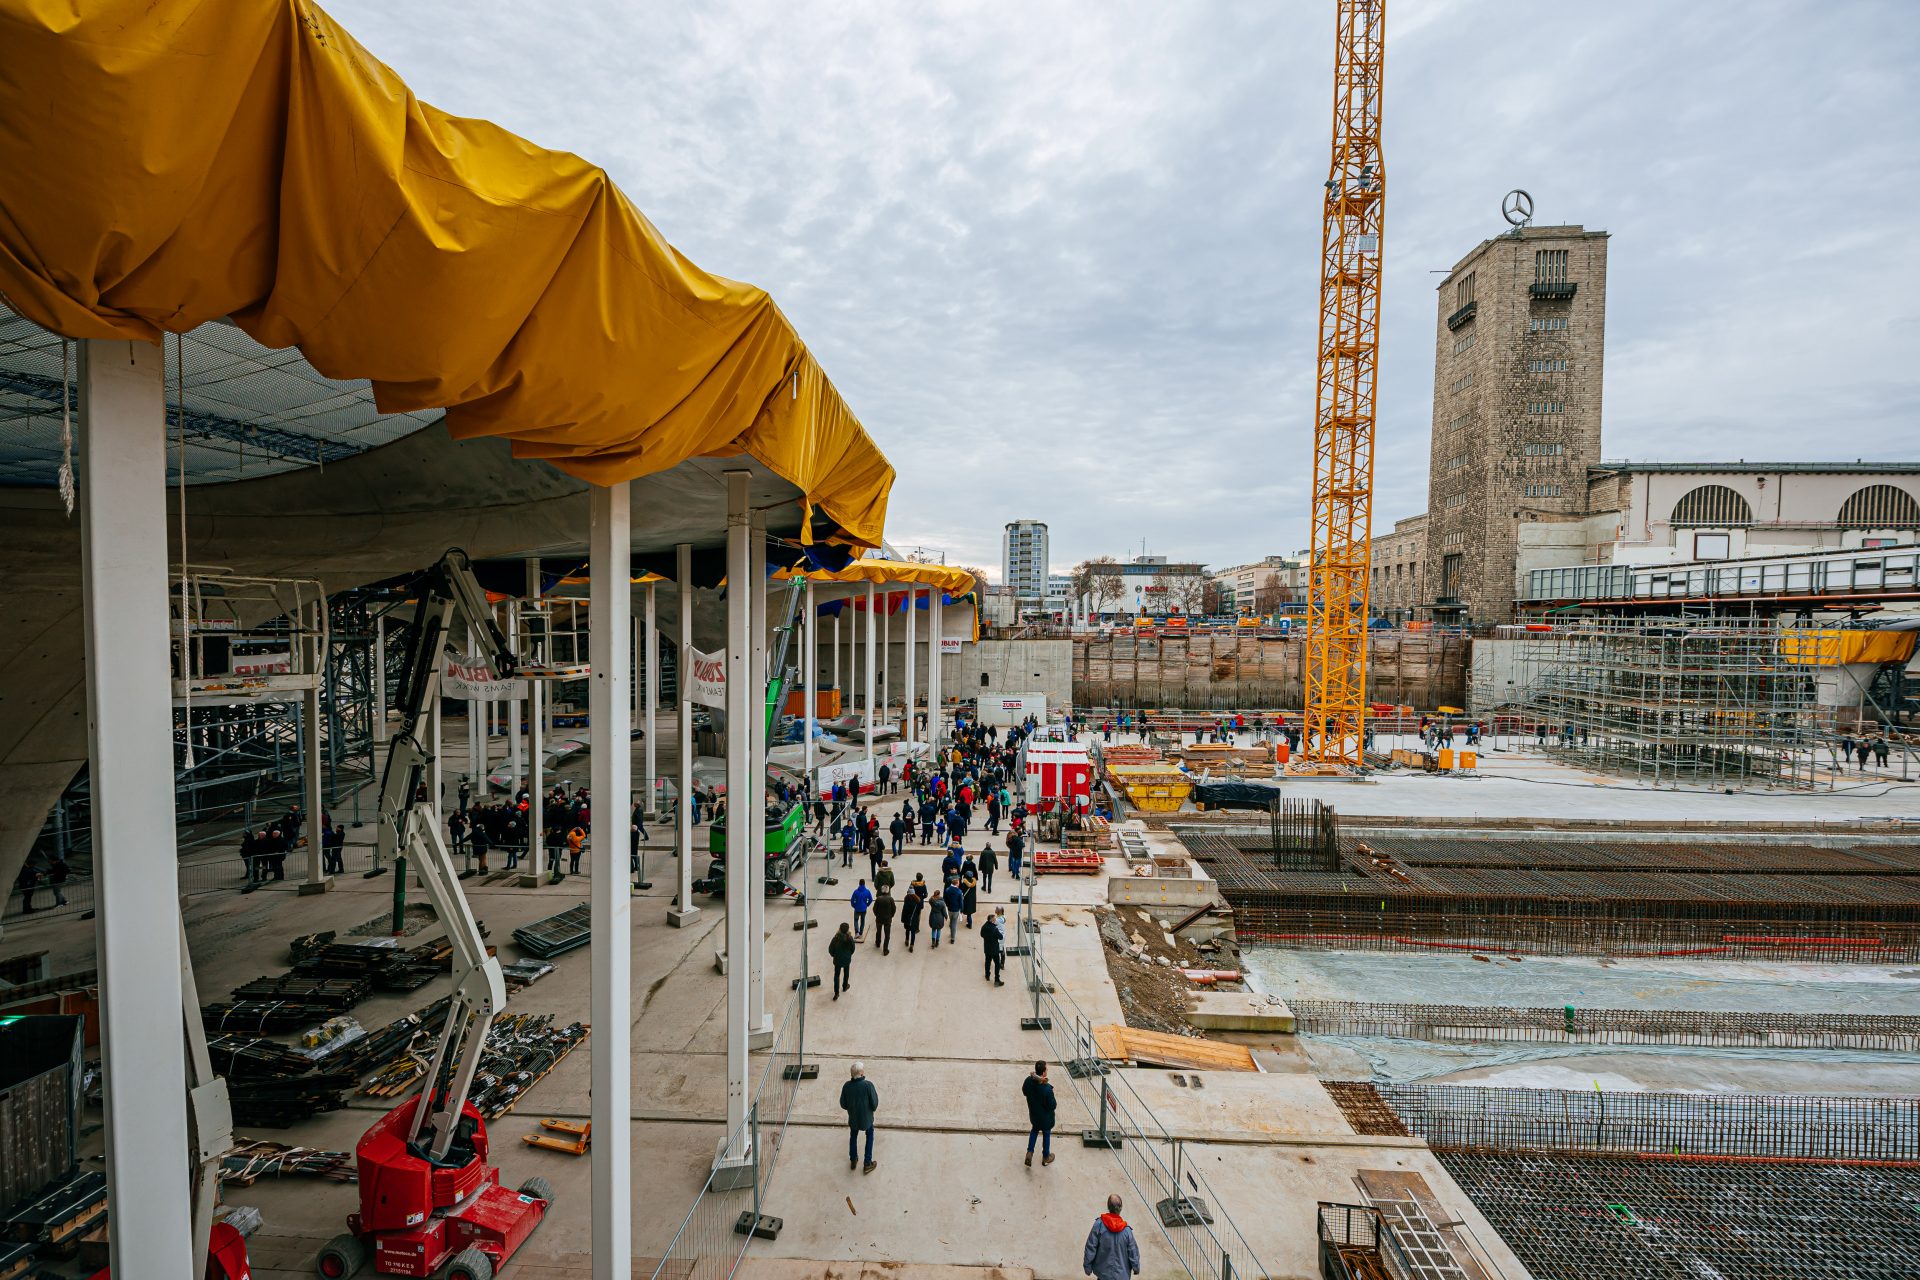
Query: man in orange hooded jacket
[(1112, 1252)]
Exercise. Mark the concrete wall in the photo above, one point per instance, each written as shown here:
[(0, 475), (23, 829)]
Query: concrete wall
[(1225, 672), (1012, 666)]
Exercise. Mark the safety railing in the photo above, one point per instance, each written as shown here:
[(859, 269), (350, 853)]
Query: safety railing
[(1189, 1214), (721, 1224)]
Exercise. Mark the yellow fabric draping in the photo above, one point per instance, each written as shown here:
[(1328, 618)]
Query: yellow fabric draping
[(1833, 647), (955, 582), (170, 163)]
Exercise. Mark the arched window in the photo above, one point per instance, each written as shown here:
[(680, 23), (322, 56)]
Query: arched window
[(1712, 504), (1881, 506)]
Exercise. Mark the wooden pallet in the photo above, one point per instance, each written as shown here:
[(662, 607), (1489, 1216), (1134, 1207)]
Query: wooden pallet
[(1067, 862), (1118, 1043)]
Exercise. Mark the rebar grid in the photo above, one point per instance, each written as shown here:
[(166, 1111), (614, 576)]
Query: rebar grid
[(1614, 1218), (1673, 700), (1570, 1025), (1758, 1126), (1365, 1109)]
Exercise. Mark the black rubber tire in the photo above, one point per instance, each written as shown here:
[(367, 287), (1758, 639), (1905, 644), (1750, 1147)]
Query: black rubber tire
[(539, 1188), (469, 1264), (346, 1255)]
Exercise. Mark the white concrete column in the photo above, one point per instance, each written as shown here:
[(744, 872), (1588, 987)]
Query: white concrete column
[(886, 655), (759, 1021), (743, 877), (867, 687), (650, 651), (936, 597), (123, 567), (610, 711), (514, 773), (536, 783), (436, 772), (912, 609), (316, 881), (810, 676), (379, 665), (846, 703), (683, 805), (477, 715)]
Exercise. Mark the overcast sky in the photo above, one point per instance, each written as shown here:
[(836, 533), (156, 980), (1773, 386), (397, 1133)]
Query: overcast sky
[(1062, 258)]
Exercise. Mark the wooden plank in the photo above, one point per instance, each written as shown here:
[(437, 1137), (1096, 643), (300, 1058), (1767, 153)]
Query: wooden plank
[(1153, 1048)]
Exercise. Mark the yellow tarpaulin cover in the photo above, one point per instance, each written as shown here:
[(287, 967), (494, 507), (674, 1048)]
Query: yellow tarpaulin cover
[(1833, 648), (168, 163), (955, 582)]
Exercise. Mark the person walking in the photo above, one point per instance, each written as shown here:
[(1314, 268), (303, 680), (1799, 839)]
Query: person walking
[(898, 830), (910, 908), (841, 951), (989, 863), (969, 892), (1042, 1107), (928, 813), (861, 1101), (883, 908), (955, 900), (936, 919), (1016, 845), (862, 899), (993, 936), (1112, 1253)]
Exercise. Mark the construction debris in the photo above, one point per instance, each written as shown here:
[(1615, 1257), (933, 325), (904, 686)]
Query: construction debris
[(251, 1160)]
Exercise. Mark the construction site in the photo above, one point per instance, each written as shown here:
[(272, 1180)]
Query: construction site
[(463, 704)]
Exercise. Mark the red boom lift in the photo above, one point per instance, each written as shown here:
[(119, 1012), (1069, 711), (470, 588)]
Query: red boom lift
[(429, 1195)]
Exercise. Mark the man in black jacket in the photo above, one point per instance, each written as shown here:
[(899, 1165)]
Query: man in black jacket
[(1040, 1113), (992, 937), (860, 1100)]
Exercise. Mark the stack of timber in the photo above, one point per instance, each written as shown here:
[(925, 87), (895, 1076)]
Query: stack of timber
[(1131, 1045), (51, 1224), (1093, 832), (1220, 758), (1125, 753), (1070, 862)]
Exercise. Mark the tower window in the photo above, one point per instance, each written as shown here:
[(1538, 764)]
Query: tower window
[(1550, 266)]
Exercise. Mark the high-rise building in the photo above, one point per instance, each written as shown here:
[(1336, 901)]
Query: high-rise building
[(1023, 561), (1519, 351)]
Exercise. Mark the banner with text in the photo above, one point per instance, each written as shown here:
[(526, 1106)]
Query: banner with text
[(707, 678), (472, 680)]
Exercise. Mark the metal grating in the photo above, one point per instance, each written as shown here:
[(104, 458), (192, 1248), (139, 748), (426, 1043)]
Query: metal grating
[(250, 411), (1571, 1217), (1571, 1025)]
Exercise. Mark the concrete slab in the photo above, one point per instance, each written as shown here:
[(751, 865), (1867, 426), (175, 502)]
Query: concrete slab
[(1240, 1011)]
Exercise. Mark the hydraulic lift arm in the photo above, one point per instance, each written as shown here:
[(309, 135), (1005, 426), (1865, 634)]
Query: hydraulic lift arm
[(409, 832)]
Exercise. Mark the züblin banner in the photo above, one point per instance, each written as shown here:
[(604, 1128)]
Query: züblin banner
[(471, 680), (707, 678)]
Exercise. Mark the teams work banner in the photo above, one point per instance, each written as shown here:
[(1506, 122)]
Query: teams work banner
[(471, 680)]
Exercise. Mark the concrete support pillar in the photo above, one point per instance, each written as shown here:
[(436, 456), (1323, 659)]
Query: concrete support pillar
[(310, 799), (912, 608), (137, 938), (867, 688), (886, 655), (935, 599), (650, 653), (379, 669), (810, 677), (477, 715), (743, 877), (684, 910), (514, 773), (759, 1021), (846, 703), (610, 711)]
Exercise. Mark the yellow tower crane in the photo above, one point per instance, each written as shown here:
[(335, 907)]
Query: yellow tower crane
[(1349, 370)]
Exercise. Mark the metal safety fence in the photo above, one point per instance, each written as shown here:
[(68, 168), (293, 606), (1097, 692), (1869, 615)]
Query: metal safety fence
[(728, 1212), (1190, 1217), (1571, 1025)]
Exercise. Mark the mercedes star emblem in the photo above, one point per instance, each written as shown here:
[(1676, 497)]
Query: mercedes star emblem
[(1517, 208)]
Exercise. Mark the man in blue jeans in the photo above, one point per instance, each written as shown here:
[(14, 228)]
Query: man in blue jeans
[(862, 899), (1041, 1109), (859, 1099)]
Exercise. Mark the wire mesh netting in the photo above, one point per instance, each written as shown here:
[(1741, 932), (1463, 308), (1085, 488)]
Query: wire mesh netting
[(1819, 1127), (1621, 1218), (1571, 1025), (249, 410)]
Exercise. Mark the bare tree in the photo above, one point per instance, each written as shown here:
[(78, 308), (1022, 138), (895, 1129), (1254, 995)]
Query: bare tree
[(1097, 581), (1187, 591), (1211, 598)]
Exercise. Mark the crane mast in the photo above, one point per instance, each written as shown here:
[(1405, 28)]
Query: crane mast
[(1348, 375)]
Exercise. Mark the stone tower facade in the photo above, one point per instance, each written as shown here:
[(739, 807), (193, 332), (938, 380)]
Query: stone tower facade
[(1520, 343)]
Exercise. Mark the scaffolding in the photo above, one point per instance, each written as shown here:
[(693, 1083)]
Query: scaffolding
[(1672, 700)]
